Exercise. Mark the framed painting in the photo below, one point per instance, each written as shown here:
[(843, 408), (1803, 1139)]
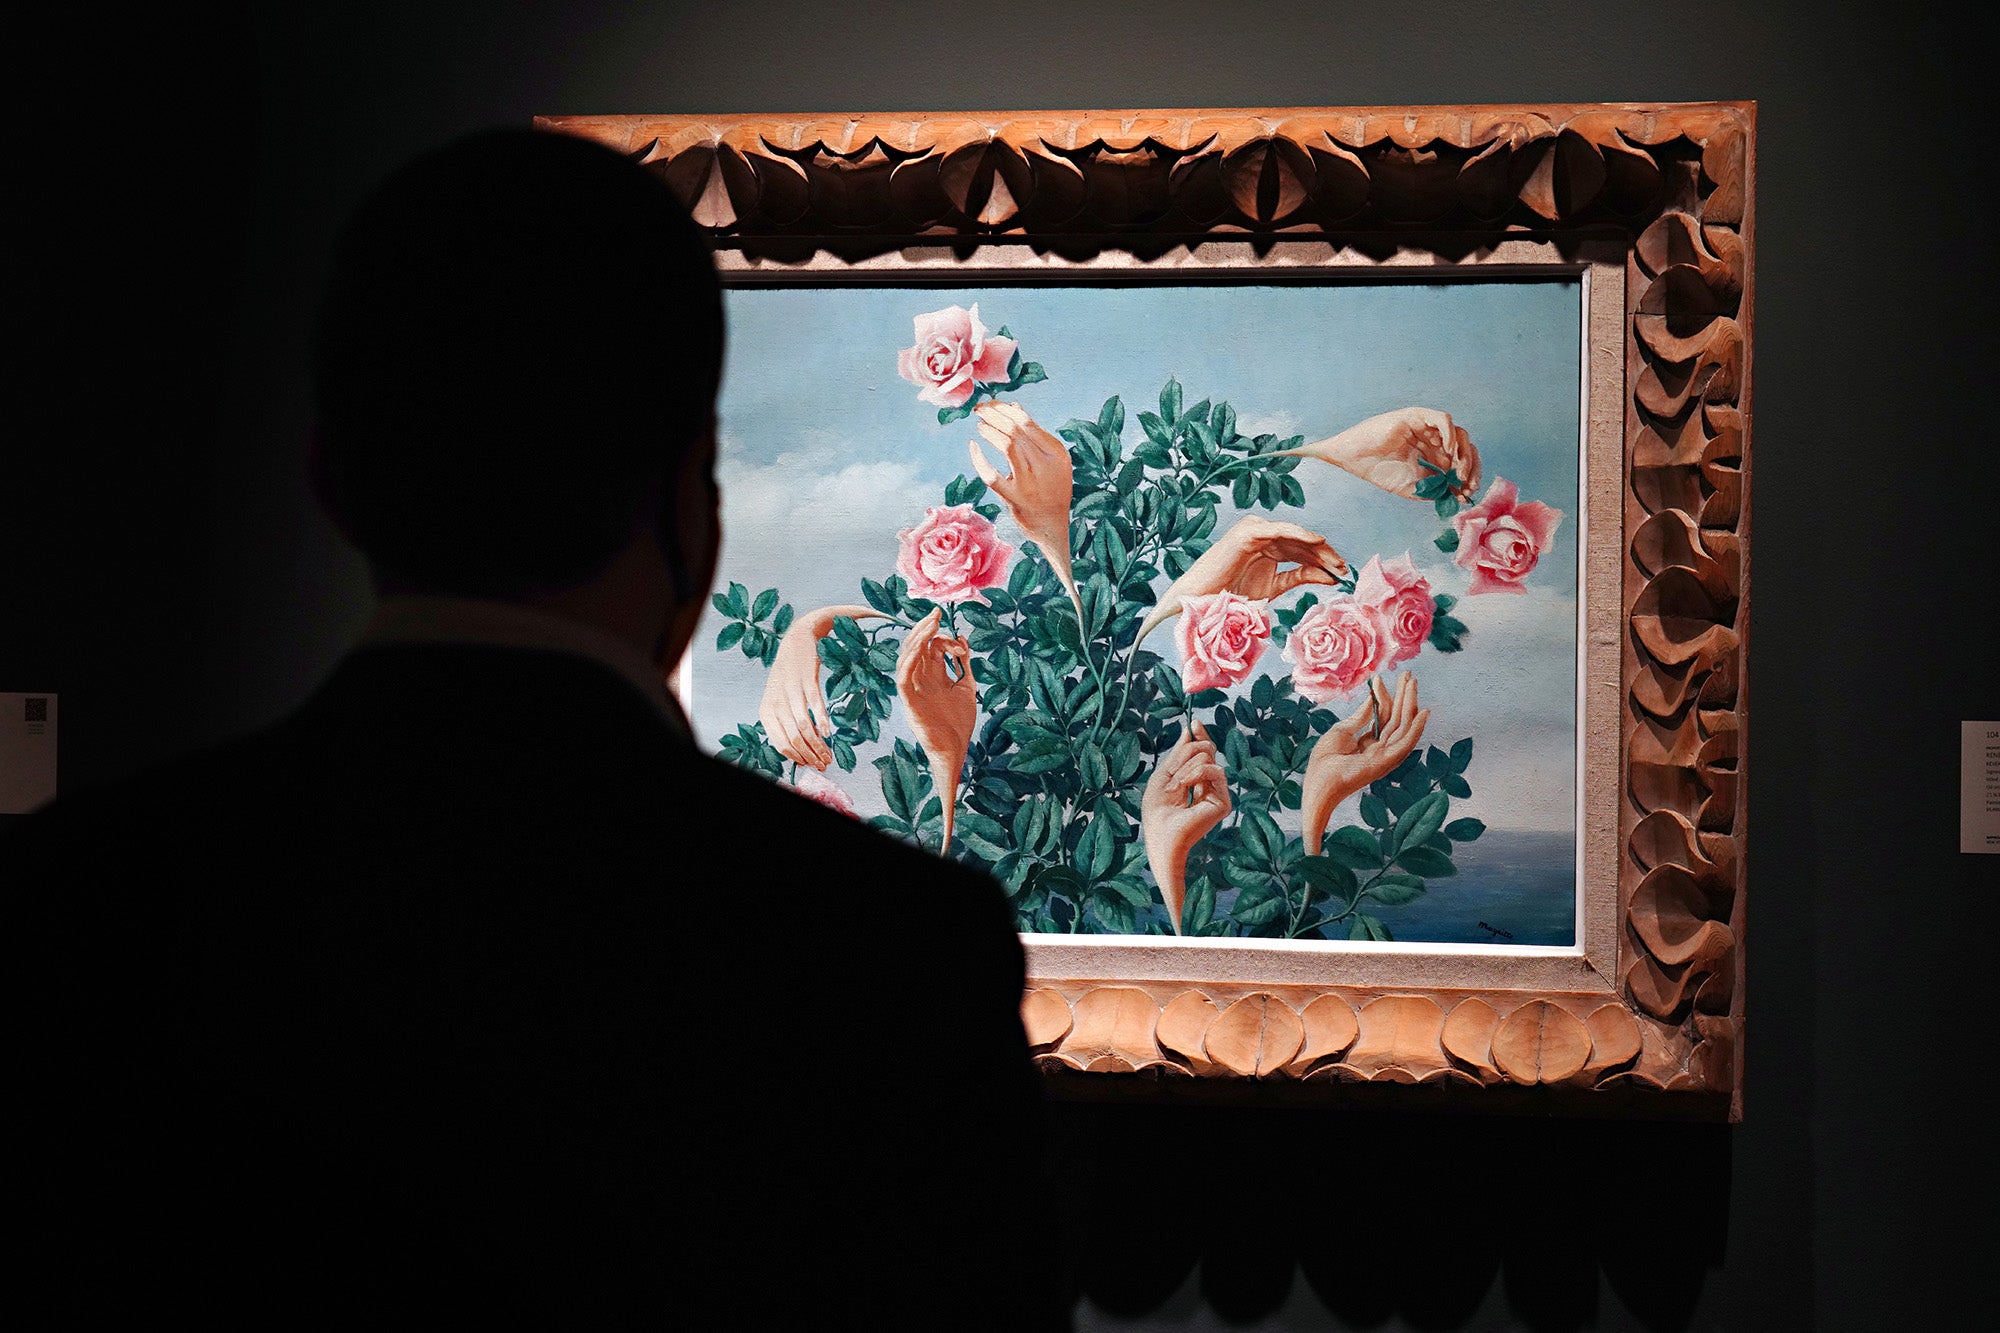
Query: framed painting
[(1301, 554)]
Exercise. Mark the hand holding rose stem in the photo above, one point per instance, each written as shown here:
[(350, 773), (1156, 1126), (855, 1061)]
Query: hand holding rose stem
[(1247, 560), (941, 707), (1363, 747), (1397, 450), (1039, 487), (1186, 796), (793, 709)]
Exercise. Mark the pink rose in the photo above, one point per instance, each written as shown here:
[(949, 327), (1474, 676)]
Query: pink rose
[(1403, 597), (952, 354), (952, 554), (1335, 646), (1500, 539), (817, 787), (1220, 636)]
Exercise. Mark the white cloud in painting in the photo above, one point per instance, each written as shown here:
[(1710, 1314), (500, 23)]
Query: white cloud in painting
[(1284, 425), (810, 519)]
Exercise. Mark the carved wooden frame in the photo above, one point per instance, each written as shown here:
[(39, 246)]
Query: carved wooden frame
[(1655, 203)]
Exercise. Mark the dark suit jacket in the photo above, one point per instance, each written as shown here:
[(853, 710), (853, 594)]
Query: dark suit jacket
[(472, 987)]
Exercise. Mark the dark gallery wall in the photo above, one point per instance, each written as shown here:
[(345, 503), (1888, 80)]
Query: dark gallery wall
[(166, 573)]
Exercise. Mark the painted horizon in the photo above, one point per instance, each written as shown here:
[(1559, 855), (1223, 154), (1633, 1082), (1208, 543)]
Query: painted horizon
[(833, 454)]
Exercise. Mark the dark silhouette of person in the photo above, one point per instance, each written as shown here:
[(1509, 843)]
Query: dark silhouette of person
[(473, 989)]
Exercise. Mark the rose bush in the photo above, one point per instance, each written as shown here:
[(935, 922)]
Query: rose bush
[(953, 354), (1500, 539), (1335, 647), (1220, 636), (952, 555), (1074, 714), (1402, 596)]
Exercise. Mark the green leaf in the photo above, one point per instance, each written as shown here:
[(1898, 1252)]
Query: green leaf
[(1114, 912), (1170, 402), (878, 596), (767, 602), (1111, 417), (1121, 755), (1031, 373), (1063, 880), (1456, 786), (1261, 836), (900, 787), (1029, 725), (1095, 849), (1355, 849), (947, 415), (1422, 819), (1198, 908), (1324, 875), (1437, 763), (1092, 767), (843, 753), (1464, 830), (1032, 821), (1393, 890), (756, 643), (850, 636), (736, 602), (1062, 627), (1244, 876), (1374, 811), (1041, 756), (784, 620), (729, 635), (982, 833), (1461, 755), (1133, 891), (1098, 603), (1259, 904), (1446, 506), (1447, 541), (1366, 927), (1426, 862)]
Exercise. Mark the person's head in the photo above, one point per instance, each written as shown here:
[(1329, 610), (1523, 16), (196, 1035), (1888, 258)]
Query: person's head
[(516, 368)]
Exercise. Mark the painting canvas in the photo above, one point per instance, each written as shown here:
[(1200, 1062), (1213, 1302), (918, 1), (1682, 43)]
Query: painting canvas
[(1238, 609)]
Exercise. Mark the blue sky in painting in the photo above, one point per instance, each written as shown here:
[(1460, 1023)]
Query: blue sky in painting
[(826, 453)]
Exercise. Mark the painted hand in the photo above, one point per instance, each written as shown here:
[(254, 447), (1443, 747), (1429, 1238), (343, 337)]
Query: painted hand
[(1391, 450), (1358, 751), (1247, 560), (941, 709), (793, 710), (1038, 491), (1186, 796)]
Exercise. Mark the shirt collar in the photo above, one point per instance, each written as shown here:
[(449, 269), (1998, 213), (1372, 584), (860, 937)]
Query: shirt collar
[(466, 620)]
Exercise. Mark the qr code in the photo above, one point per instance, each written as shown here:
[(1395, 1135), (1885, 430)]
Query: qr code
[(37, 710)]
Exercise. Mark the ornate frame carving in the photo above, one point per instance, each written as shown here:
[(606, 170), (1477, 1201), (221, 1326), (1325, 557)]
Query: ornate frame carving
[(1656, 202)]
